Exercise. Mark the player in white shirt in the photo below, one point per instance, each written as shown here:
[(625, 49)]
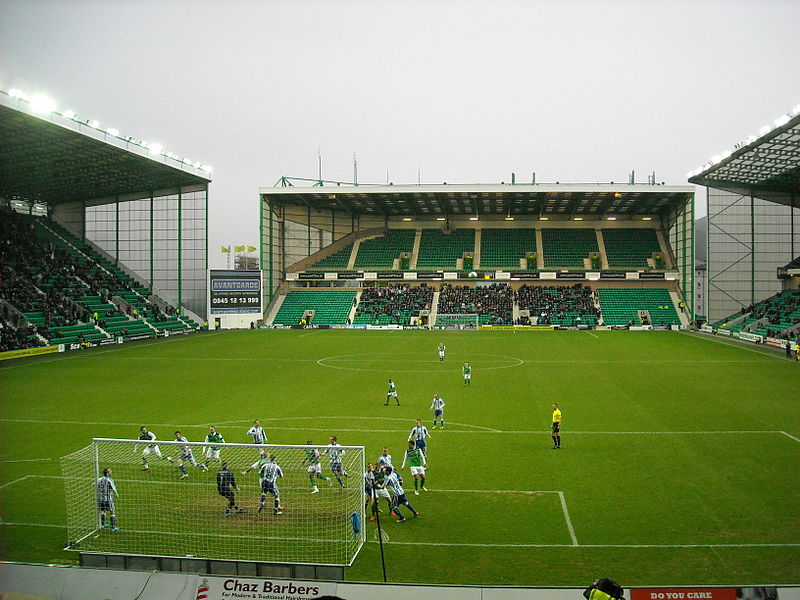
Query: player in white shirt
[(437, 406), (258, 433), (442, 349), (385, 459), (269, 474), (395, 484), (335, 453), (418, 435), (186, 455)]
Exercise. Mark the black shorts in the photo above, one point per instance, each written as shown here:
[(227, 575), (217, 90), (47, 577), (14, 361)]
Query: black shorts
[(556, 427), (105, 506)]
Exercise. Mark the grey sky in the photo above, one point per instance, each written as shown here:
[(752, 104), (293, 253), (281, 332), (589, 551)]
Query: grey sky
[(461, 91)]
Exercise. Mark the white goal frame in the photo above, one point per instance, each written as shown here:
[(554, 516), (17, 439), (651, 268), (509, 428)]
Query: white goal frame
[(163, 515), (458, 321)]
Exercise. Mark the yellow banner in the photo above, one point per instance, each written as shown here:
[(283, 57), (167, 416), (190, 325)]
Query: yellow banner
[(517, 328), (27, 352)]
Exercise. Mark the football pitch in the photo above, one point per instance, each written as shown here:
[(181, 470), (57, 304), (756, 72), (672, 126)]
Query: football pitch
[(680, 459)]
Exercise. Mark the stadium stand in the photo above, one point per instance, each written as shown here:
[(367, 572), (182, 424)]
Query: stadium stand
[(381, 252), (330, 308), (494, 304), (505, 247), (392, 304), (568, 247), (439, 249), (774, 317), (63, 290), (630, 247), (336, 261), (558, 305), (622, 306)]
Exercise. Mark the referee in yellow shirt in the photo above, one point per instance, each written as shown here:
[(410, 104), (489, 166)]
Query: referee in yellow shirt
[(556, 427)]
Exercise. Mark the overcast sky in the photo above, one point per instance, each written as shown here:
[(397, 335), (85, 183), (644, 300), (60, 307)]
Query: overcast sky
[(456, 91)]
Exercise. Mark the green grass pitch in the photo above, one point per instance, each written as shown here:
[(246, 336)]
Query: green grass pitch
[(680, 461)]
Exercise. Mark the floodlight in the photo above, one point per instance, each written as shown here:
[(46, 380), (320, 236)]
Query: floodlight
[(406, 218), (188, 161), (726, 153), (441, 219), (93, 124), (207, 168), (156, 148), (17, 93), (473, 218), (578, 219), (68, 114), (197, 165), (716, 158), (42, 105), (544, 218), (795, 111), (647, 218), (611, 218), (112, 131), (617, 194), (509, 218), (764, 130), (781, 121)]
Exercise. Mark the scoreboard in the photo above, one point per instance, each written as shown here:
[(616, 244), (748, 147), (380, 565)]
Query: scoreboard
[(234, 292)]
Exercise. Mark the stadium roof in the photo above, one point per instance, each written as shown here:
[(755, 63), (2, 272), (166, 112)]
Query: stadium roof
[(624, 201), (50, 158), (767, 167)]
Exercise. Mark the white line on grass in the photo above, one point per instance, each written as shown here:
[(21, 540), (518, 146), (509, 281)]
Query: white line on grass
[(8, 483), (569, 521), (791, 436), (460, 544), (590, 546), (591, 334), (28, 460), (74, 355), (732, 344)]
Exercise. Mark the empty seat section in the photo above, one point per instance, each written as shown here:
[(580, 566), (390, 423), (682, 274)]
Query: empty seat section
[(630, 247), (622, 306), (568, 247), (505, 247), (382, 251), (336, 261), (331, 308), (439, 249)]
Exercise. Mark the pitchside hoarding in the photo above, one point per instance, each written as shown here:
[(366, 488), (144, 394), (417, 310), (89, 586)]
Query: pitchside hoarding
[(234, 292)]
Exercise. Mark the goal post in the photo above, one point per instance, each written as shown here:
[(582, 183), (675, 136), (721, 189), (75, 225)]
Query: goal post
[(462, 321), (162, 512)]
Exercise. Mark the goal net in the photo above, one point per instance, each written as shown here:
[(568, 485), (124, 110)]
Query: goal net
[(161, 512), (457, 321)]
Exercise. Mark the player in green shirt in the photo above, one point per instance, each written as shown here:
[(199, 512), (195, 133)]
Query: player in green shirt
[(392, 393), (467, 373), (212, 452), (417, 461), (314, 468)]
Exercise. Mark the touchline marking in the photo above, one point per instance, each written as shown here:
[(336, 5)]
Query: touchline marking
[(701, 336), (458, 544), (590, 546), (791, 436), (593, 335), (75, 355), (27, 460)]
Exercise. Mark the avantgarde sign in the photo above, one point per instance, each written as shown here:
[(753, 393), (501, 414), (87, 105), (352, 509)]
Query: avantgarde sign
[(232, 292)]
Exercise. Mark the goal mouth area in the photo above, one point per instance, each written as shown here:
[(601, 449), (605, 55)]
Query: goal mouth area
[(457, 321), (176, 505)]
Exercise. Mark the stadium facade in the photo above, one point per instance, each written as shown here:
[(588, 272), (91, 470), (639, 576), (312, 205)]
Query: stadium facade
[(143, 208), (753, 221), (305, 228)]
